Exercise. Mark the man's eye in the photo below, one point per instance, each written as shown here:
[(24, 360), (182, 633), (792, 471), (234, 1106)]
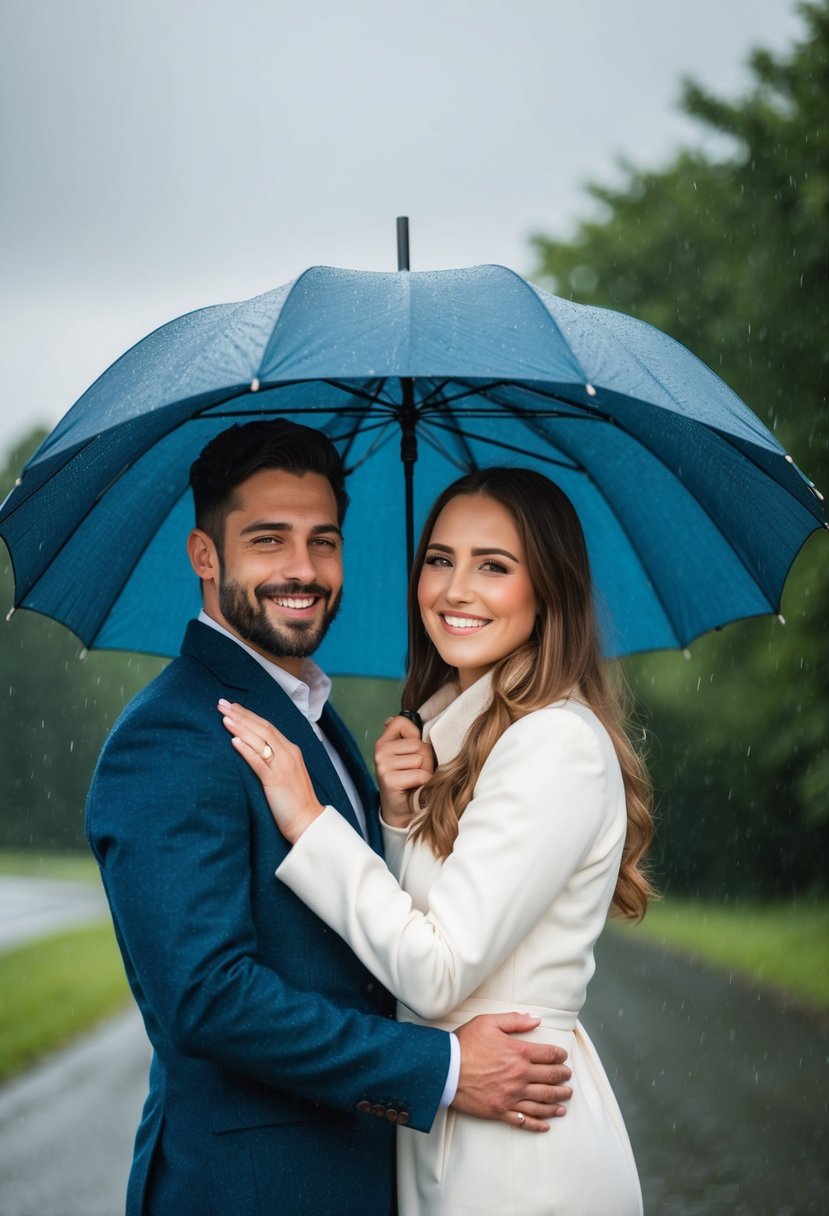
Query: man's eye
[(266, 540)]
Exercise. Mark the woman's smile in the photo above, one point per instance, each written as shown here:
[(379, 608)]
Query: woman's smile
[(457, 623)]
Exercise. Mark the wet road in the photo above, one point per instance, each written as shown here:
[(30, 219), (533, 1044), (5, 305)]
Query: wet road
[(724, 1093), (34, 907), (66, 1128)]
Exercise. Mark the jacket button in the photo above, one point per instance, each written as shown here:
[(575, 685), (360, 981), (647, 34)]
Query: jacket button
[(364, 1106), (391, 1115), (379, 1110), (403, 1117)]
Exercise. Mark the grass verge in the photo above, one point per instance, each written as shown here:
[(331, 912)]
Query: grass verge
[(781, 946), (53, 989), (79, 867)]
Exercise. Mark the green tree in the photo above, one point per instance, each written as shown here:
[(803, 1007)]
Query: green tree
[(57, 708), (728, 253)]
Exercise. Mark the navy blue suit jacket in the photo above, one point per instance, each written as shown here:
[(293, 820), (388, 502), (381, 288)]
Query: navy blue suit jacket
[(278, 1070)]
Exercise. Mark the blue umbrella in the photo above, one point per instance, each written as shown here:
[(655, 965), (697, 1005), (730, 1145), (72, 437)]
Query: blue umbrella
[(692, 509)]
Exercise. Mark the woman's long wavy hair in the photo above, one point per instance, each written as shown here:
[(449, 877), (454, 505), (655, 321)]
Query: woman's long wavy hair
[(562, 655)]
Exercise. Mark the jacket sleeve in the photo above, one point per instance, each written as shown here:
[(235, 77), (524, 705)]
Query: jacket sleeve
[(539, 805), (173, 842)]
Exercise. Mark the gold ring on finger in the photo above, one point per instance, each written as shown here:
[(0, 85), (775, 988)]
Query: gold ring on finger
[(267, 752)]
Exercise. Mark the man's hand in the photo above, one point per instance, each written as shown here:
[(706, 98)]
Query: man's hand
[(504, 1078)]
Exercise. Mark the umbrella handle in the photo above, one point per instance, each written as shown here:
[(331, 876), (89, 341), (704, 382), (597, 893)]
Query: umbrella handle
[(413, 716)]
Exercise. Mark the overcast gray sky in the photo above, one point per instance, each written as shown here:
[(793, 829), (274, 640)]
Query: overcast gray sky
[(162, 155)]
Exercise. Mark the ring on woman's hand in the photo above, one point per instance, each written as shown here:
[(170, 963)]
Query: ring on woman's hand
[(267, 752), (520, 1118)]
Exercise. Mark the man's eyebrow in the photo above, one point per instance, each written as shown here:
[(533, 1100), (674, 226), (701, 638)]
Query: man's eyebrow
[(267, 525), (475, 552)]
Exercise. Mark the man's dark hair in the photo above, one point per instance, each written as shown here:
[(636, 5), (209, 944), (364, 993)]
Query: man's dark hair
[(236, 454)]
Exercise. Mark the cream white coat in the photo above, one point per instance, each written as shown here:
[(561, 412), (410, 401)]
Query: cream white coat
[(507, 922)]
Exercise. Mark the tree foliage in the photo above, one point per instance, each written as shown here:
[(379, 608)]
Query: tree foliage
[(726, 250), (58, 707)]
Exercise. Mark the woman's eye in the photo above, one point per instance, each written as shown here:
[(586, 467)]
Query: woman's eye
[(436, 559), (495, 566)]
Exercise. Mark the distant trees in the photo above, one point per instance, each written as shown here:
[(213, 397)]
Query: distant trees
[(57, 708), (728, 252)]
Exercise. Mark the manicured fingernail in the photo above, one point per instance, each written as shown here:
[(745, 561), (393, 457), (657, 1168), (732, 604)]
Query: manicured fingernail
[(223, 704)]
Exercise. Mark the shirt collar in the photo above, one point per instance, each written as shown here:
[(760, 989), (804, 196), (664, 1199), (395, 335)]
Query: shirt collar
[(308, 694)]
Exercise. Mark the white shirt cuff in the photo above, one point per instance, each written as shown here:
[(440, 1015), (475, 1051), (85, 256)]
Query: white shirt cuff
[(454, 1076)]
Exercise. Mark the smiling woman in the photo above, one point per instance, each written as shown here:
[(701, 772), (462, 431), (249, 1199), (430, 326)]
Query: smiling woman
[(475, 594)]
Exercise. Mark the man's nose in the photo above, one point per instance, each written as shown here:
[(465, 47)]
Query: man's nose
[(299, 565)]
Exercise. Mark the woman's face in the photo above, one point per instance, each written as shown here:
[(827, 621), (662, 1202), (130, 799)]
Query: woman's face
[(475, 596)]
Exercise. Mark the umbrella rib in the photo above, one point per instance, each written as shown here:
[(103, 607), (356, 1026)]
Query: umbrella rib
[(471, 462), (450, 457), (694, 423), (507, 447), (380, 441), (576, 467)]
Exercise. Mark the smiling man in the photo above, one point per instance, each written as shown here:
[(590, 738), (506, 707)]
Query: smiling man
[(278, 1073)]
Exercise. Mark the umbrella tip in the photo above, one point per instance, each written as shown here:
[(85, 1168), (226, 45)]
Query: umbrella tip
[(781, 618), (254, 384), (591, 392)]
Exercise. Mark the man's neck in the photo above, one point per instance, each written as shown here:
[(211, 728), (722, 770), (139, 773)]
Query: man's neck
[(293, 666)]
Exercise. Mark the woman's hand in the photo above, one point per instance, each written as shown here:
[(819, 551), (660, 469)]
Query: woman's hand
[(403, 762), (279, 765)]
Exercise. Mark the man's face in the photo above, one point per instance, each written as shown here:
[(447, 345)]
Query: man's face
[(280, 574)]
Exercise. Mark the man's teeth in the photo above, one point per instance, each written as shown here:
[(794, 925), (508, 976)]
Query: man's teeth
[(293, 601), (463, 622)]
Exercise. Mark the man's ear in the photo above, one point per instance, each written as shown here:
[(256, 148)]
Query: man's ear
[(203, 555)]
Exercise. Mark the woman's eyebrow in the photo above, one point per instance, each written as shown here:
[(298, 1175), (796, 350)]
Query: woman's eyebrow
[(475, 552)]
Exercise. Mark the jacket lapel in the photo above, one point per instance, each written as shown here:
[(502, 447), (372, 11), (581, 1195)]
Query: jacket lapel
[(340, 737), (248, 683)]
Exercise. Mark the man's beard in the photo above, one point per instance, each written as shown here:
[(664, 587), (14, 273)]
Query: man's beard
[(286, 640)]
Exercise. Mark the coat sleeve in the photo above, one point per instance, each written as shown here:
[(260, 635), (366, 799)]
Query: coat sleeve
[(539, 805), (168, 821)]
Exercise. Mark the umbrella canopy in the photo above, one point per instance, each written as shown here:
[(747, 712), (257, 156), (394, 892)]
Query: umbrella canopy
[(693, 511)]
